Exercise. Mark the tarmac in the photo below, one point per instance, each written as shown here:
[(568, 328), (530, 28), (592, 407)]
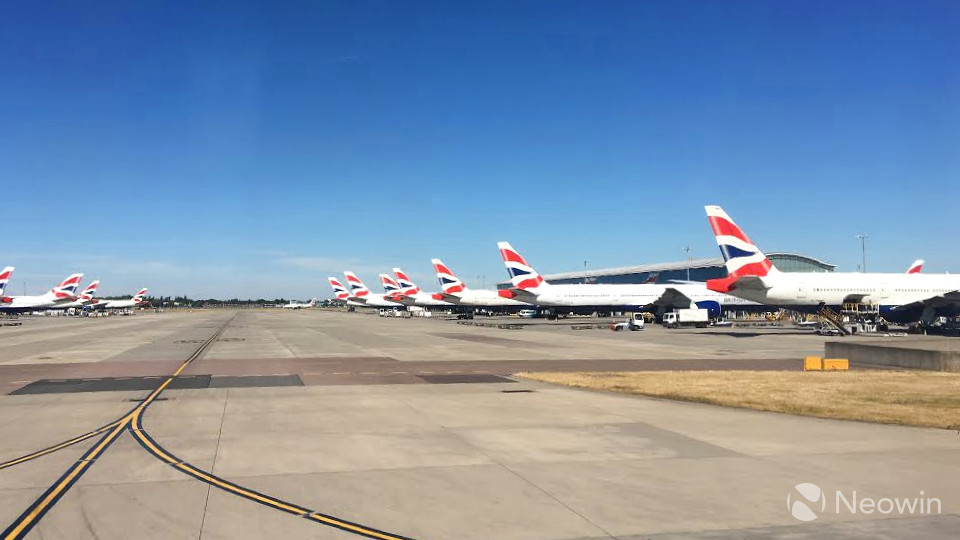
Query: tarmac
[(316, 424)]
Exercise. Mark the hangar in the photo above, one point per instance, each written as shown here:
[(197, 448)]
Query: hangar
[(692, 269)]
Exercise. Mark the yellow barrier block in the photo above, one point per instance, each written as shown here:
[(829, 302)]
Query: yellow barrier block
[(812, 363), (836, 364)]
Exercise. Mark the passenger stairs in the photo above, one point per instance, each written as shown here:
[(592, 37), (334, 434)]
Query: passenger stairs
[(834, 319)]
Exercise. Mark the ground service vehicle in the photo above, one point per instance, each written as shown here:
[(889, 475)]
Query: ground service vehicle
[(634, 323), (686, 317)]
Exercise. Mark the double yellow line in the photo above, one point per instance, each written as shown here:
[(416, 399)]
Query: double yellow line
[(132, 421), (35, 512)]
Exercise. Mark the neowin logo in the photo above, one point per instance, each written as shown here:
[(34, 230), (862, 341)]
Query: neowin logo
[(804, 500)]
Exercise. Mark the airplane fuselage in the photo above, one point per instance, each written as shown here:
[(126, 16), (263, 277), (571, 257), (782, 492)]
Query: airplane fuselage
[(894, 293), (638, 297)]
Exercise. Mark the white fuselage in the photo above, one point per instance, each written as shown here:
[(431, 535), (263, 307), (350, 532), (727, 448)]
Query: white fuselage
[(374, 300), (798, 290), (116, 304), (31, 303), (627, 296), (484, 297)]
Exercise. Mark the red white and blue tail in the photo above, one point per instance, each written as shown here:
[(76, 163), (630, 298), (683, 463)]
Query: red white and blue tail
[(915, 268), (390, 285), (67, 288), (5, 276), (743, 257), (89, 292), (522, 275), (449, 282), (357, 288), (138, 298), (339, 291), (407, 286)]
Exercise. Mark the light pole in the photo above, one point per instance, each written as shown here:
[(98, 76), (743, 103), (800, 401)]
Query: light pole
[(863, 250), (687, 250)]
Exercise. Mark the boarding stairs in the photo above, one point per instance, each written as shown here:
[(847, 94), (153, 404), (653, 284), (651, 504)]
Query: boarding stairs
[(834, 319)]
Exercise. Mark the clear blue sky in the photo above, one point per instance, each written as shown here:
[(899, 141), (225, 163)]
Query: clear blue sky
[(251, 149)]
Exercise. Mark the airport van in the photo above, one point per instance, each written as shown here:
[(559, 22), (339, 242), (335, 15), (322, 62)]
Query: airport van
[(527, 313)]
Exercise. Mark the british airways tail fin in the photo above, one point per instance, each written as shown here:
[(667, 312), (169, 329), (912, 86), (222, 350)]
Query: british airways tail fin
[(522, 275), (743, 258), (339, 291), (407, 286), (449, 282)]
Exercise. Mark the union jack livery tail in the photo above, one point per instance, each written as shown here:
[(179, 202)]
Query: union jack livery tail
[(89, 291), (915, 268), (742, 256), (67, 288), (357, 287), (522, 275), (339, 291), (407, 287), (5, 278), (449, 282), (137, 298), (390, 285)]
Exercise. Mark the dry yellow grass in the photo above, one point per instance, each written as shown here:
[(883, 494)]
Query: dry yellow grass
[(915, 398)]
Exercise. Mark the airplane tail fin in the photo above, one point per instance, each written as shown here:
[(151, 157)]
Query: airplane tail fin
[(390, 285), (522, 275), (357, 287), (339, 291), (313, 302), (407, 286), (5, 276), (89, 291), (916, 267), (743, 257), (449, 282), (67, 288), (137, 298)]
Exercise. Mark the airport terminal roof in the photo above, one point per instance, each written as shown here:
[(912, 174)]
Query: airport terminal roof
[(713, 262)]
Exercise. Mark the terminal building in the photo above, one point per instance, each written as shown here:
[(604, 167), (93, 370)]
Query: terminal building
[(689, 270)]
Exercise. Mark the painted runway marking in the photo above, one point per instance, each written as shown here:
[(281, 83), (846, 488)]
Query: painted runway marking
[(132, 422)]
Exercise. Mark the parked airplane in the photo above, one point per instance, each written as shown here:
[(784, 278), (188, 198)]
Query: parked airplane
[(903, 298), (340, 292), (131, 302), (85, 298), (360, 293), (456, 291), (61, 294), (530, 287), (298, 305), (412, 295), (391, 288), (916, 267)]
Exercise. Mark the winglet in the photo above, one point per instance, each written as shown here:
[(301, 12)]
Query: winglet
[(916, 267)]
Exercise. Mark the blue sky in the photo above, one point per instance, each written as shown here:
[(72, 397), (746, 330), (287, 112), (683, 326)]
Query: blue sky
[(251, 149)]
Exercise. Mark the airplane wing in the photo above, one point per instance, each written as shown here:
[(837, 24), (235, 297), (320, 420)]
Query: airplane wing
[(950, 299), (672, 297)]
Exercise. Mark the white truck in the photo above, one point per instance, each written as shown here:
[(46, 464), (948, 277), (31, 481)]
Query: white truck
[(635, 322), (686, 317)]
